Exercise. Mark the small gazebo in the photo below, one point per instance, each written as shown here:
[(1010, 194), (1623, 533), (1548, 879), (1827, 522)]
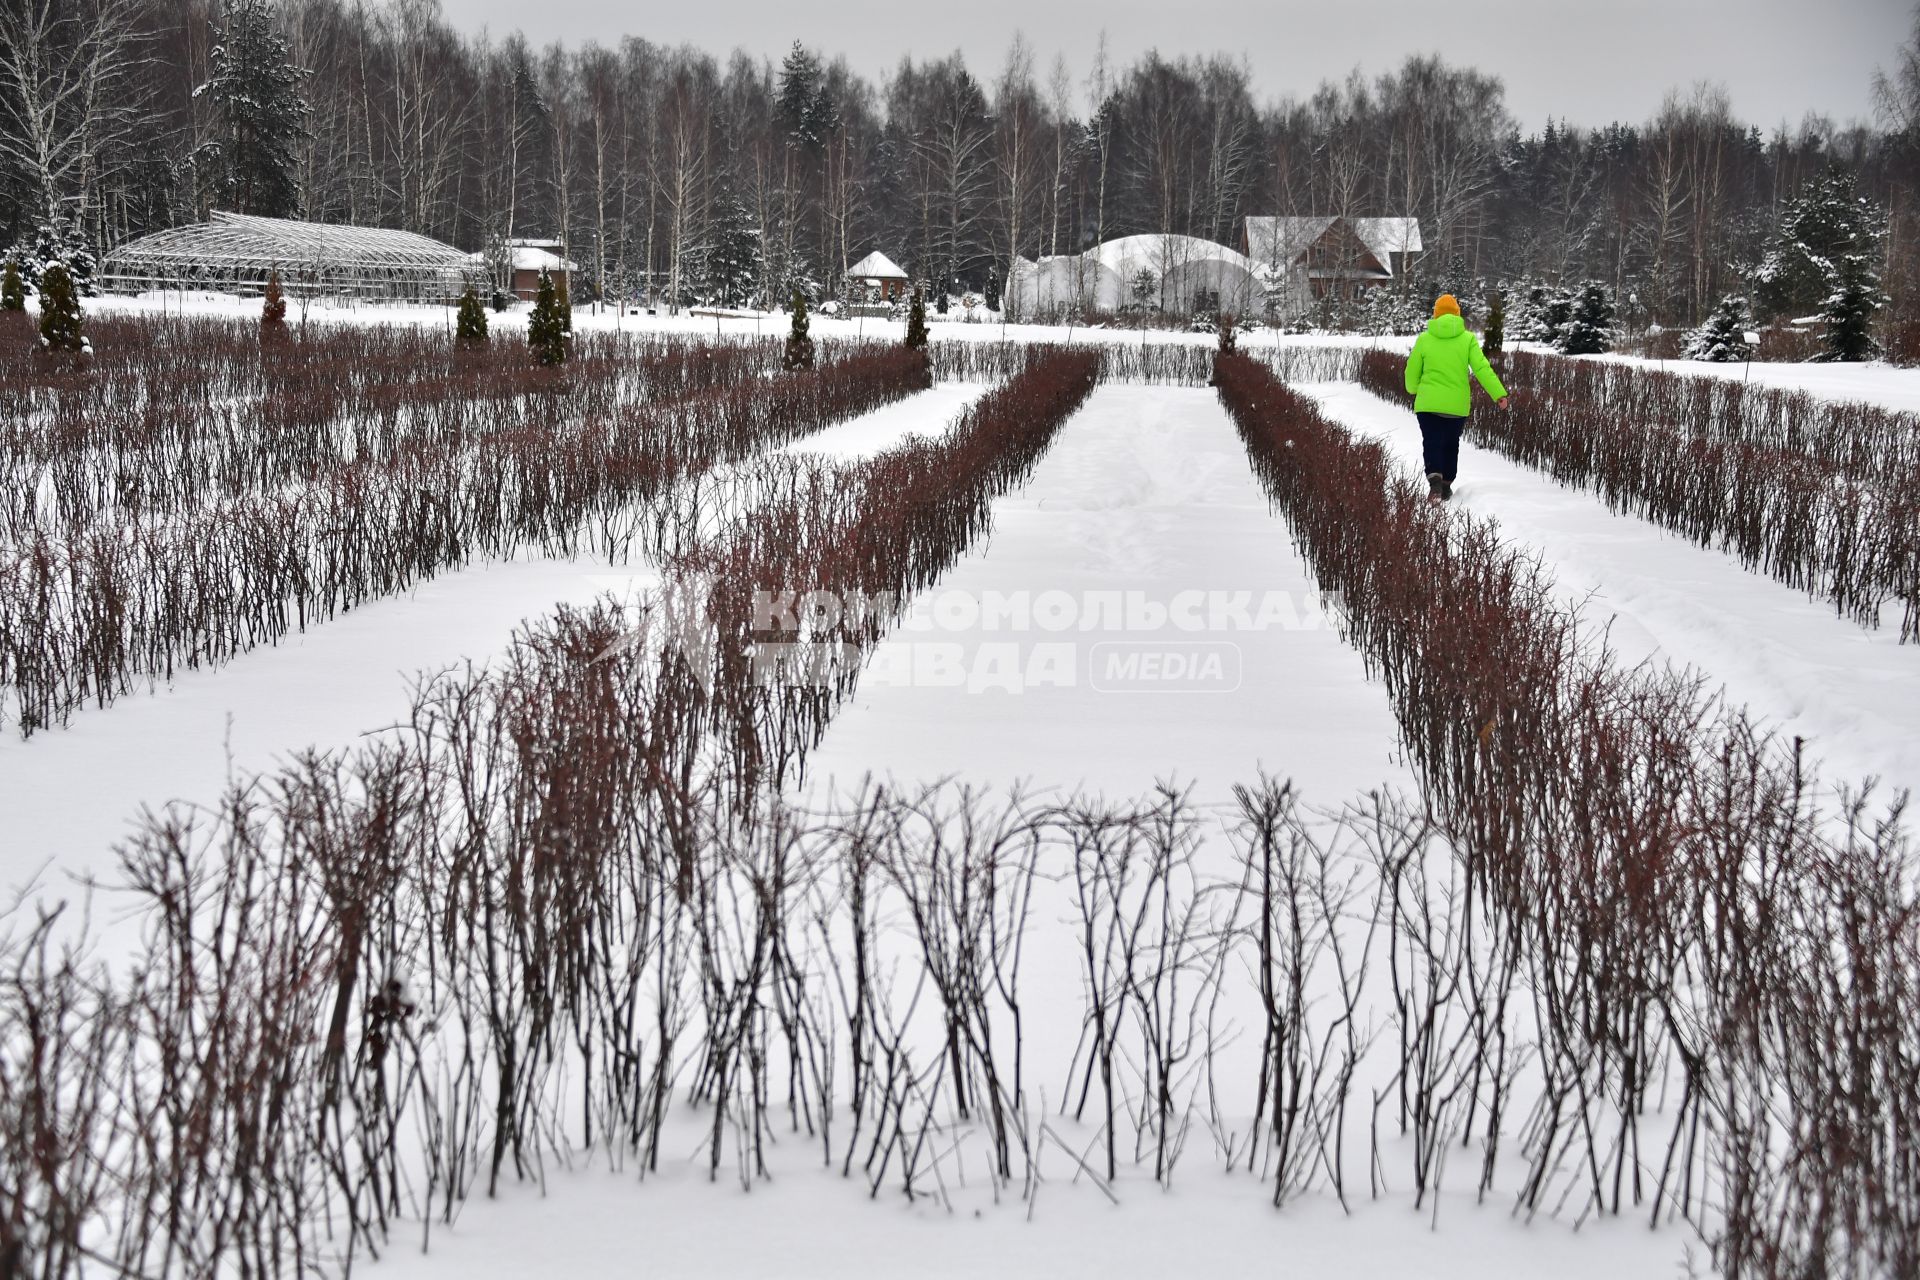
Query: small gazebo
[(876, 277)]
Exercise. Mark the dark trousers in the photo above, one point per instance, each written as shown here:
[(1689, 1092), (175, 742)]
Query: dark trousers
[(1440, 442)]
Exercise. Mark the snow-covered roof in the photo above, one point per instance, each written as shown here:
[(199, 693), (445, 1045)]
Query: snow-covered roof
[(528, 258), (1161, 253), (1384, 236), (875, 266), (1279, 241)]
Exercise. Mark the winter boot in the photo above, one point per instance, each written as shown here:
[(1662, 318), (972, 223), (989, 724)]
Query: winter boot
[(1436, 487), (1446, 489)]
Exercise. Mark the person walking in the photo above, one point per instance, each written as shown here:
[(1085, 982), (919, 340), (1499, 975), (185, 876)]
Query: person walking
[(1445, 360)]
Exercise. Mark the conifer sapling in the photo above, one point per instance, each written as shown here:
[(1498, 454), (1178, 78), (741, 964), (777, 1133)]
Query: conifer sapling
[(917, 322), (1495, 339), (60, 324), (799, 353), (273, 310), (547, 334), (1722, 336), (13, 290), (470, 321)]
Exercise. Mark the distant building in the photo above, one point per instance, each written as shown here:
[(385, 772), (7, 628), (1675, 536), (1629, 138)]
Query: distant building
[(1180, 275), (529, 258), (237, 253), (876, 277), (1302, 259)]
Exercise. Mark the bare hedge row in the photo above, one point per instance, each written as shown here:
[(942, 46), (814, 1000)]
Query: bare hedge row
[(1833, 529), (376, 981), (90, 617), (97, 453), (1184, 364), (1862, 442), (1728, 970)]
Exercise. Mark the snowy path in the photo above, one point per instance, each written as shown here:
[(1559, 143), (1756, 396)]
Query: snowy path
[(1146, 491), (807, 1224), (1853, 694), (67, 795)]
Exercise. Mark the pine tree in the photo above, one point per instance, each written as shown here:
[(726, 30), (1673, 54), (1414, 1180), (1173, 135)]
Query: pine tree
[(546, 326), (1849, 311), (1494, 341), (917, 322), (1722, 336), (806, 109), (1826, 223), (13, 291), (1547, 311), (470, 321), (1589, 326), (60, 322), (799, 353), (273, 311), (252, 165), (732, 261)]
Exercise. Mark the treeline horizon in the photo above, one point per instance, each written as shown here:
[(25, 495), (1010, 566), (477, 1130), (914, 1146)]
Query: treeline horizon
[(737, 179)]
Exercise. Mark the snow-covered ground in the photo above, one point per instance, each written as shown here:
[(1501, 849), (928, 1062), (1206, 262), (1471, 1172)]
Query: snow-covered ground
[(809, 1224), (1146, 494), (1852, 693)]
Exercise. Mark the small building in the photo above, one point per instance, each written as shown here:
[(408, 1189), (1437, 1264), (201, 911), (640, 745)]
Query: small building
[(1303, 259), (528, 258), (876, 278)]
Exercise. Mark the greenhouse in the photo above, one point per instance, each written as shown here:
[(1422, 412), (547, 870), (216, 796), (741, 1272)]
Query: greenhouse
[(1172, 273), (235, 253)]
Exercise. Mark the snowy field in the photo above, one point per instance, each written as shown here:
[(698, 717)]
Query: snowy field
[(1141, 534)]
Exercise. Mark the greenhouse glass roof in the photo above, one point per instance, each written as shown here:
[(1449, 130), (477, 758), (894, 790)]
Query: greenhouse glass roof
[(238, 251)]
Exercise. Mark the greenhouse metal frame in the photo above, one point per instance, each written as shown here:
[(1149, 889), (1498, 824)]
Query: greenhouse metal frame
[(235, 253)]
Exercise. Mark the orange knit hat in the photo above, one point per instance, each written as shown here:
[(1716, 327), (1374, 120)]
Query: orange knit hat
[(1446, 305)]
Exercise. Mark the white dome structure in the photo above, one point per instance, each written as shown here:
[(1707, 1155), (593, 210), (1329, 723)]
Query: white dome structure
[(1164, 272)]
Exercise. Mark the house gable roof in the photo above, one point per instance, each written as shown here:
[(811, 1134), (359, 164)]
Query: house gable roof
[(1280, 241)]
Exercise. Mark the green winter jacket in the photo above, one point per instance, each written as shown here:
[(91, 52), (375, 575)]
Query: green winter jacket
[(1437, 370)]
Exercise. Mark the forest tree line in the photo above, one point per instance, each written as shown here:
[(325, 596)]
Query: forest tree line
[(737, 179)]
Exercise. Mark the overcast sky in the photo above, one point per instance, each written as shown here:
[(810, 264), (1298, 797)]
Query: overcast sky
[(1590, 61)]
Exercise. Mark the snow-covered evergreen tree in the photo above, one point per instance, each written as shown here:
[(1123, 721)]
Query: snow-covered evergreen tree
[(1548, 309), (1494, 340), (799, 352), (806, 108), (917, 322), (1589, 326), (733, 262), (1849, 310), (1828, 221), (61, 243), (252, 165), (61, 328), (1721, 337), (470, 321), (547, 327), (13, 290)]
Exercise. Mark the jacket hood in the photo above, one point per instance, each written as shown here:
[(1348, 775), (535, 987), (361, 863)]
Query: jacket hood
[(1448, 326)]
